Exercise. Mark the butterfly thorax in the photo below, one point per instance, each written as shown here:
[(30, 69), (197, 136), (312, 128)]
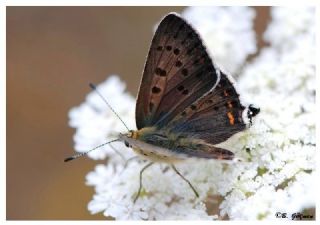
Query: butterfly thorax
[(158, 145)]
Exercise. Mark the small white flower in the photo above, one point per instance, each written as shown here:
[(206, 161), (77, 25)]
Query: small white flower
[(282, 82)]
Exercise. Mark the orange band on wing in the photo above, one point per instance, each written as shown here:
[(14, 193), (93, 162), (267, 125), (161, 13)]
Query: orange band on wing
[(231, 118)]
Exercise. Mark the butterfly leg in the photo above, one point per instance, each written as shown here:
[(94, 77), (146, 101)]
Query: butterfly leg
[(129, 160), (140, 180), (127, 163), (185, 179)]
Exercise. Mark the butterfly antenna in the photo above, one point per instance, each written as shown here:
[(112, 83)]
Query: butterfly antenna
[(93, 87), (85, 153)]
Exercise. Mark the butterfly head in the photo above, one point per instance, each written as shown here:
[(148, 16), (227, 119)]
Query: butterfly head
[(131, 134)]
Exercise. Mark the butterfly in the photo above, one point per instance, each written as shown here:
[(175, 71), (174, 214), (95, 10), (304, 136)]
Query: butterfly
[(186, 105)]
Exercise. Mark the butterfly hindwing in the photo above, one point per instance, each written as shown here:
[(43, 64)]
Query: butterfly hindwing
[(213, 118), (177, 72)]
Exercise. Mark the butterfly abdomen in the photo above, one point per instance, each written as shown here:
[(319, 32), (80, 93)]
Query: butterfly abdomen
[(163, 146)]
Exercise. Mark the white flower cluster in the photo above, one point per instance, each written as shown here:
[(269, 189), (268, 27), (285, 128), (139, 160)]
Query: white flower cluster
[(282, 145), (278, 152), (227, 32)]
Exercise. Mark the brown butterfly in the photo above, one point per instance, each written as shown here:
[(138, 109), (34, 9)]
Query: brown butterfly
[(186, 104)]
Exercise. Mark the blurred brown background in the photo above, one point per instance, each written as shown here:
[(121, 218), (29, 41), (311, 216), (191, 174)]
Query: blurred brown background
[(52, 55)]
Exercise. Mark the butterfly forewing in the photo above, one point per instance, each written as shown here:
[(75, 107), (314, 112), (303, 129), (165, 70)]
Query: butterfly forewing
[(178, 71), (215, 117)]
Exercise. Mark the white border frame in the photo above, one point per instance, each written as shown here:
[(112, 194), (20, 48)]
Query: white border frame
[(126, 3)]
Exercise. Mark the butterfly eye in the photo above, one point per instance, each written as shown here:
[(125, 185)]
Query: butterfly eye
[(127, 144)]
